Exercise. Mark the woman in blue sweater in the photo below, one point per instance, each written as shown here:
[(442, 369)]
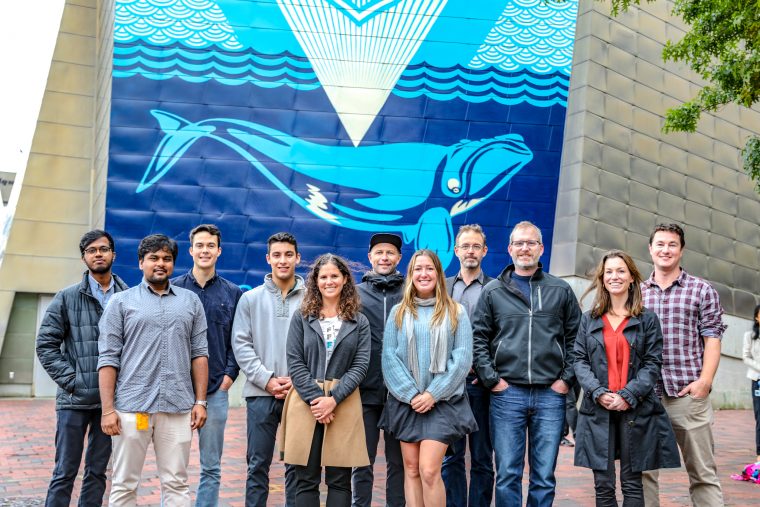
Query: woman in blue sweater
[(427, 352)]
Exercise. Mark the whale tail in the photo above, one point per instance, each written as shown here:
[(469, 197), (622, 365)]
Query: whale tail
[(179, 135), (435, 232)]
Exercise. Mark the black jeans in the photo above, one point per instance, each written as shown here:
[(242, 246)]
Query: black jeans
[(756, 406), (363, 478), (571, 410), (264, 414), (630, 481), (71, 429), (309, 477)]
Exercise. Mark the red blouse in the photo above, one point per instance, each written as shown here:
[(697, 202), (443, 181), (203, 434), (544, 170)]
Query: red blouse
[(618, 352)]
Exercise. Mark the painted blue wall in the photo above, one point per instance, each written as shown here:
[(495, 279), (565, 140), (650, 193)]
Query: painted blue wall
[(225, 112)]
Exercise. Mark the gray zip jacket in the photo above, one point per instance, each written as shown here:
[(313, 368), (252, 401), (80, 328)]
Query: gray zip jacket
[(260, 332)]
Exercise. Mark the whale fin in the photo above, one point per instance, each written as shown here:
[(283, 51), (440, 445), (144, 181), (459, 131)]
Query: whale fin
[(435, 232), (180, 134)]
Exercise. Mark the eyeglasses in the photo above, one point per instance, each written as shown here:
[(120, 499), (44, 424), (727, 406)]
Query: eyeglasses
[(475, 248), (530, 244), (92, 251)]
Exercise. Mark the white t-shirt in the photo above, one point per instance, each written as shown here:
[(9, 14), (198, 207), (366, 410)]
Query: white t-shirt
[(330, 328)]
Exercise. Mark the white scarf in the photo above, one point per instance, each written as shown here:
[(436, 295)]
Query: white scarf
[(439, 342)]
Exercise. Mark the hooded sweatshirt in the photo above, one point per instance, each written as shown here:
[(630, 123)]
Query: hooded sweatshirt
[(260, 332)]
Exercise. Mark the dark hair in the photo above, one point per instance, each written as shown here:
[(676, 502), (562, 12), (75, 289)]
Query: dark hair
[(155, 243), (209, 228), (94, 235), (674, 228), (348, 306), (755, 324), (282, 237), (602, 302)]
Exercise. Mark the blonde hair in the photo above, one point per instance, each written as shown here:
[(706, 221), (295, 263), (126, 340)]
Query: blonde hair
[(443, 302)]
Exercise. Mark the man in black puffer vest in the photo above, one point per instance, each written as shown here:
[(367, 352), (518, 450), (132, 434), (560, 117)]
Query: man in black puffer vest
[(67, 346), (380, 289)]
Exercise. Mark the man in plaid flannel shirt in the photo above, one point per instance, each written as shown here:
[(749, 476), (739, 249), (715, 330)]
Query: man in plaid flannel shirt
[(690, 313)]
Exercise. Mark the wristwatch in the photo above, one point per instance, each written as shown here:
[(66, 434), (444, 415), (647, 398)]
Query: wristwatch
[(202, 403)]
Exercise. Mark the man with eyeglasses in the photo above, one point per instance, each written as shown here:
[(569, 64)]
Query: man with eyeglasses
[(67, 346), (465, 287), (524, 330)]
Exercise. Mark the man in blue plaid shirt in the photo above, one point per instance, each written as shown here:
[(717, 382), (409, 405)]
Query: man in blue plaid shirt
[(692, 327)]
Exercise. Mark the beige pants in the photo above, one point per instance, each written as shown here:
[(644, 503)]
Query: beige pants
[(171, 436), (692, 420)]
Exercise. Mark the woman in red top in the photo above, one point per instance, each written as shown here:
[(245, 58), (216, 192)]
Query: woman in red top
[(618, 355)]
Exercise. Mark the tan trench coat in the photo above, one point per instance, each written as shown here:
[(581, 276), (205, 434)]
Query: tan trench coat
[(344, 444)]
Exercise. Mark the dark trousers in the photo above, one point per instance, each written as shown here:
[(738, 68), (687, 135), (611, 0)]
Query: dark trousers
[(571, 410), (630, 481), (308, 478), (363, 478), (481, 457), (263, 415), (71, 429), (756, 406)]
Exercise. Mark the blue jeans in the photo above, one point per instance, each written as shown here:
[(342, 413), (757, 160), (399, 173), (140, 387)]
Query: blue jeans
[(210, 447), (71, 428), (263, 416), (481, 457), (541, 412)]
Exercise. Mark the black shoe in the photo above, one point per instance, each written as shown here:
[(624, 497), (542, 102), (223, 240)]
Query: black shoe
[(566, 442)]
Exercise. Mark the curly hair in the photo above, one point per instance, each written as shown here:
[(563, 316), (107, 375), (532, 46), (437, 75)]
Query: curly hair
[(602, 301), (348, 306)]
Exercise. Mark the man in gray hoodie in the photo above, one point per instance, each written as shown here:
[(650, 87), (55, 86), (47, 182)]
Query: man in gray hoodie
[(259, 334)]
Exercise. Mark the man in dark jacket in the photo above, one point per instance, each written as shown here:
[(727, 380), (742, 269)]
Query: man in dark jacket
[(524, 330), (67, 346), (380, 289), (219, 298), (465, 287)]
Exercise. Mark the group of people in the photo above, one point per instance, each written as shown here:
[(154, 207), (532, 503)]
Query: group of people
[(434, 363)]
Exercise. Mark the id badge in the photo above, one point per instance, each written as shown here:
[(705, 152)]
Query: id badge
[(141, 420), (757, 393)]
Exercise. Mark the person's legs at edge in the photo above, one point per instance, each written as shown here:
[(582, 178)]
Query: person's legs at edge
[(454, 475), (756, 407), (338, 480), (95, 462), (604, 480), (412, 480), (630, 481), (509, 420), (172, 437), (692, 420), (481, 450), (71, 426), (363, 478), (544, 434), (431, 459), (394, 478), (262, 417), (210, 448), (309, 477), (129, 450)]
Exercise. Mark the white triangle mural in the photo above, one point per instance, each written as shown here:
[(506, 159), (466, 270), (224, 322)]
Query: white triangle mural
[(359, 48)]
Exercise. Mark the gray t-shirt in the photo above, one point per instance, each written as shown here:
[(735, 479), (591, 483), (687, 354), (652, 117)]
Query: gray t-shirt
[(330, 329)]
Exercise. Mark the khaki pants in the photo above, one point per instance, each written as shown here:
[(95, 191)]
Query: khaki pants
[(171, 436), (692, 420)]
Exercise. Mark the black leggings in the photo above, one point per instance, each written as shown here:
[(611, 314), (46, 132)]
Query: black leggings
[(756, 406), (630, 481), (309, 477)]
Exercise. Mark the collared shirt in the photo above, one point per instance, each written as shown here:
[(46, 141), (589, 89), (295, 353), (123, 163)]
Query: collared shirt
[(97, 291), (688, 310), (151, 339), (467, 295), (219, 298)]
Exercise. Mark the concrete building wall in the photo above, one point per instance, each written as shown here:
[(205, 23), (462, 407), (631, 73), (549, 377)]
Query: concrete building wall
[(620, 175)]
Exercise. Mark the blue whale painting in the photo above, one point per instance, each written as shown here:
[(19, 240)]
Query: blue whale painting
[(466, 173)]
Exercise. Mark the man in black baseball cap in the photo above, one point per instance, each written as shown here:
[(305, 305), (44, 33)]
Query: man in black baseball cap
[(380, 289)]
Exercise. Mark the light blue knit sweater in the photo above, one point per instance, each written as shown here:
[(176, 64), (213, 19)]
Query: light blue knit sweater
[(443, 386)]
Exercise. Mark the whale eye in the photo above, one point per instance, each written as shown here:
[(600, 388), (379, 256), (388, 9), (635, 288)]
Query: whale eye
[(454, 185)]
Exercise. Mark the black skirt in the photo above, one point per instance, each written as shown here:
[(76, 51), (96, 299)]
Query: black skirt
[(447, 422)]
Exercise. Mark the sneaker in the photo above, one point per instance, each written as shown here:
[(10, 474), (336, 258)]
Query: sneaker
[(566, 442)]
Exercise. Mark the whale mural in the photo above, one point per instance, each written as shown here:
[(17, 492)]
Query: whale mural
[(466, 174), (335, 119)]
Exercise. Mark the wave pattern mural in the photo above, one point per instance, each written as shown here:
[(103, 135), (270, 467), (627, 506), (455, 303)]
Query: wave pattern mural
[(335, 119)]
